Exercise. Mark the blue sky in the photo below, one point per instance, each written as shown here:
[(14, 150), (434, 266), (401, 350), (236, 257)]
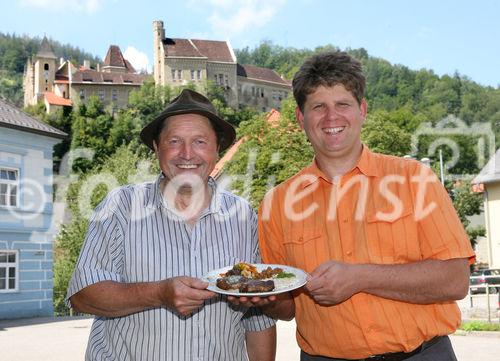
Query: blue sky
[(445, 36)]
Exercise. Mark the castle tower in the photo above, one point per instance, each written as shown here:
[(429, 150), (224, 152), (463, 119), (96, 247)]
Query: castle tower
[(159, 52), (44, 69)]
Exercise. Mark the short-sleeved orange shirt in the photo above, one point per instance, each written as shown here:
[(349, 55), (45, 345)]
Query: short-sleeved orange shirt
[(386, 210)]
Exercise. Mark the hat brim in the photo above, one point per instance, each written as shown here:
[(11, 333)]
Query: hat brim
[(226, 134)]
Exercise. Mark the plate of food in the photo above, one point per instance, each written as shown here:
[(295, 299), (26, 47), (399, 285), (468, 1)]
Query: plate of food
[(245, 279)]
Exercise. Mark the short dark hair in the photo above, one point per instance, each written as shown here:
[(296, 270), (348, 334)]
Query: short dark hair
[(328, 69), (218, 132)]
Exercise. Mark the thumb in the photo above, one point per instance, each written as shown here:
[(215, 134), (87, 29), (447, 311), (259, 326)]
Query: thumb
[(195, 283), (318, 271)]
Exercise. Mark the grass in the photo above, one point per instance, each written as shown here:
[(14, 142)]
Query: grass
[(480, 326)]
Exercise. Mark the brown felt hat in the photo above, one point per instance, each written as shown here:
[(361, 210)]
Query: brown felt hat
[(189, 102)]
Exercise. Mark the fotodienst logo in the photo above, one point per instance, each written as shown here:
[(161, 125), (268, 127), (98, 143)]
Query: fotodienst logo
[(445, 134)]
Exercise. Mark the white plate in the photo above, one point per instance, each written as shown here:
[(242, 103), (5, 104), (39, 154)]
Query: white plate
[(292, 283)]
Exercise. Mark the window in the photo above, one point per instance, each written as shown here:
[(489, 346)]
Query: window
[(8, 270), (173, 74), (221, 79), (192, 74), (198, 75), (226, 81), (100, 94), (114, 95), (179, 74), (45, 66), (82, 94), (9, 185)]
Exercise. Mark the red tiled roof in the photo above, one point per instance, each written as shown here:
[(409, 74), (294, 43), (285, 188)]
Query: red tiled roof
[(226, 158), (181, 47), (214, 50), (191, 48), (56, 100), (272, 118), (114, 57), (258, 73), (93, 76)]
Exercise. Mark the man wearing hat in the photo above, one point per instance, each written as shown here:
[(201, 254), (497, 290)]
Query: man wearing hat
[(148, 245)]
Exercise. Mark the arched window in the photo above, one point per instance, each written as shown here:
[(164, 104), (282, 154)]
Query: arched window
[(46, 66)]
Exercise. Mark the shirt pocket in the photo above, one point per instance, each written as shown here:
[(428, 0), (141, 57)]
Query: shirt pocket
[(392, 239), (306, 249)]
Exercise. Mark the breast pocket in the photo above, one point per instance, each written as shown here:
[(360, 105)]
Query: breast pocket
[(305, 250), (392, 239)]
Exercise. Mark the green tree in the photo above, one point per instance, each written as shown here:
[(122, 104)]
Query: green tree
[(123, 167), (91, 130), (269, 155), (467, 203), (382, 135), (60, 119)]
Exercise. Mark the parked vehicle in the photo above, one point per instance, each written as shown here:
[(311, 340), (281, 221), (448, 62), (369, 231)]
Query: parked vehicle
[(481, 278)]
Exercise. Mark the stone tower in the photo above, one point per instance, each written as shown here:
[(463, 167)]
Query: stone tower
[(159, 52), (40, 74)]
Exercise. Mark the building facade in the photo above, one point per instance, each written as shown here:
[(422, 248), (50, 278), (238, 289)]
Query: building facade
[(61, 83), (488, 181), (26, 234), (179, 62)]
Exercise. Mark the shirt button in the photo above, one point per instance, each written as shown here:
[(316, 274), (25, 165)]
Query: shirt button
[(349, 253)]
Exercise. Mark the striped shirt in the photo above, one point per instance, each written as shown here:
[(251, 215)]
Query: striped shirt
[(386, 210), (134, 236)]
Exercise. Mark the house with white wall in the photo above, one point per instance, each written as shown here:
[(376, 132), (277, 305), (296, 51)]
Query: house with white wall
[(488, 181), (26, 237)]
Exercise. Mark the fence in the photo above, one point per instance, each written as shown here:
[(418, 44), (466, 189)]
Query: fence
[(480, 290)]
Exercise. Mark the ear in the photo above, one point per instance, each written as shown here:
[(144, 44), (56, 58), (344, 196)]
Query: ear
[(363, 109), (300, 117), (155, 147)]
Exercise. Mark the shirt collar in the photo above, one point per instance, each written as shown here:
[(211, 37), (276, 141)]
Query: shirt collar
[(366, 165)]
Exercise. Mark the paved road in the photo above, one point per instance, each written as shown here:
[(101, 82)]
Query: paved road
[(65, 340)]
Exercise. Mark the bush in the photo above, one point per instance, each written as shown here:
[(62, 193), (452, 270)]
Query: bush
[(480, 326)]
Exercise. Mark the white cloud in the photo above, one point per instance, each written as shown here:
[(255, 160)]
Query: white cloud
[(138, 59), (238, 16), (88, 6)]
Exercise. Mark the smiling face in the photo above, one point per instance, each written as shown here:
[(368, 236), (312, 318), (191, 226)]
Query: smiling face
[(332, 119), (187, 146)]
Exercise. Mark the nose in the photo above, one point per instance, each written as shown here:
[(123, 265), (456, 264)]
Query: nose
[(331, 113), (186, 150)]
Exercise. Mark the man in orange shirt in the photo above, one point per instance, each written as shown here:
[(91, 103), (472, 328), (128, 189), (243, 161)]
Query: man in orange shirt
[(385, 250)]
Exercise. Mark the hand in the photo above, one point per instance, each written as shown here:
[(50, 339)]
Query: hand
[(332, 283), (254, 301), (184, 294)]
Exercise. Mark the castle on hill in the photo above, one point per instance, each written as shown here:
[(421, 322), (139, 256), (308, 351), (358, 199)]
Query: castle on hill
[(177, 62)]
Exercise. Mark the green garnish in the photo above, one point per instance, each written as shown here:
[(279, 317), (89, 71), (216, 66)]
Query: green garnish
[(285, 275)]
